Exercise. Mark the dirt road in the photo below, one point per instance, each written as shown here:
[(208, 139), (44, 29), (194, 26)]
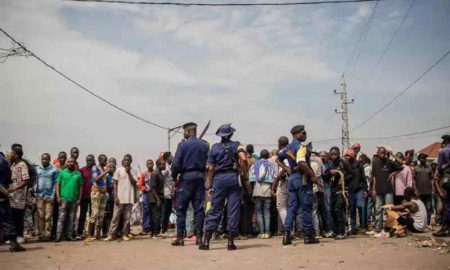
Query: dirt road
[(144, 253)]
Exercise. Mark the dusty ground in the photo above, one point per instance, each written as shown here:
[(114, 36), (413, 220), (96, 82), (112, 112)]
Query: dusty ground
[(143, 253)]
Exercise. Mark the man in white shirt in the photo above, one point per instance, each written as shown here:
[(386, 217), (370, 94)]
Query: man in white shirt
[(168, 192), (125, 180)]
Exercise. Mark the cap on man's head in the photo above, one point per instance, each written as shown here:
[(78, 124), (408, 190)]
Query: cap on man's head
[(297, 129), (356, 145), (446, 137), (225, 130), (189, 125)]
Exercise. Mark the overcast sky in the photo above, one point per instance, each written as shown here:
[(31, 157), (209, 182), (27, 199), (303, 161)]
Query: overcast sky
[(263, 69)]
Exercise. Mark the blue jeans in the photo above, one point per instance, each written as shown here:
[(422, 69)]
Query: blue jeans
[(147, 222), (300, 196), (326, 215), (370, 204), (381, 199), (262, 208), (356, 201)]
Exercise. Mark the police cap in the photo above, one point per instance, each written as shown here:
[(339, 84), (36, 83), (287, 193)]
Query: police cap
[(297, 129), (446, 137), (189, 125)]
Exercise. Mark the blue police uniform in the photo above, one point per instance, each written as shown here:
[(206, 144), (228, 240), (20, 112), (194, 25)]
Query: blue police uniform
[(225, 186), (189, 166), (299, 195)]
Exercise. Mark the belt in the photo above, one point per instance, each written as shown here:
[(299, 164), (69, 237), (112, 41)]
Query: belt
[(193, 170), (230, 170)]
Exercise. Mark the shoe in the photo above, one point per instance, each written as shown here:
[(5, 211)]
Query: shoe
[(231, 245), (318, 236), (129, 236), (382, 234), (287, 238), (157, 236), (340, 237), (328, 235), (78, 237), (109, 239), (311, 239), (267, 236), (443, 232), (192, 238), (206, 241), (370, 233), (126, 238), (178, 242), (89, 239), (20, 240), (261, 236), (15, 247), (71, 238)]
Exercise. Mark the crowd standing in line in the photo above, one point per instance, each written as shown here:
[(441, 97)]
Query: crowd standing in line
[(225, 191)]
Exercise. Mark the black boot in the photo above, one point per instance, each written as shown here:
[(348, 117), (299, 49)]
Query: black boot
[(311, 239), (231, 245), (206, 240), (178, 241), (443, 232), (199, 239), (15, 247), (287, 238)]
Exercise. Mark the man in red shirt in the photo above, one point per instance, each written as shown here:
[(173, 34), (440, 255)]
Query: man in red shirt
[(85, 203)]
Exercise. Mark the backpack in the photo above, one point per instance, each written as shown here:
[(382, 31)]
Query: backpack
[(32, 173), (262, 171)]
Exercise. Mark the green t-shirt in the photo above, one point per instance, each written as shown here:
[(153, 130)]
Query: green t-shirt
[(71, 183)]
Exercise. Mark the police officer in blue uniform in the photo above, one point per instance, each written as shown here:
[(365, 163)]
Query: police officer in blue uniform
[(225, 161), (300, 185), (188, 170)]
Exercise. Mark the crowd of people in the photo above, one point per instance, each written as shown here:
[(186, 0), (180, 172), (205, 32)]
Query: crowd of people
[(225, 191)]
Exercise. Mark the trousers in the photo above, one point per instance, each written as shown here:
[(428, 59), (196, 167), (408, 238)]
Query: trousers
[(6, 220), (225, 188), (121, 210), (300, 197), (66, 218), (98, 206), (45, 210), (190, 190)]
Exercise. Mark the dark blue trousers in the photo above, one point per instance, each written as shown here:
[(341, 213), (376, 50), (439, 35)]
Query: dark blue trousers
[(300, 196), (225, 188), (190, 189)]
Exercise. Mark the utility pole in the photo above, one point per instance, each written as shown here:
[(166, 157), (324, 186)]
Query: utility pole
[(169, 135), (344, 113)]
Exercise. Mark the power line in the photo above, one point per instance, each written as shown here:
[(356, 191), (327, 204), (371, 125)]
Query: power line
[(81, 86), (226, 4), (404, 135), (364, 37), (403, 91), (389, 43), (358, 42)]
